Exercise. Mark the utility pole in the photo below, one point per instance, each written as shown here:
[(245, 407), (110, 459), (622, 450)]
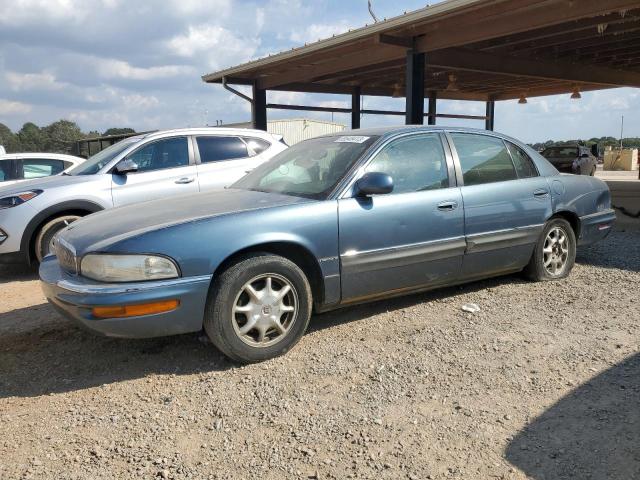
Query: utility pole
[(621, 132)]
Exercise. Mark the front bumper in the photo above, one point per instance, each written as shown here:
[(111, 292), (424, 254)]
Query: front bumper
[(74, 297), (596, 226), (13, 222)]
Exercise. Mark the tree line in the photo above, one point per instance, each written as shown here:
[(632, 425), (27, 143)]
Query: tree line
[(58, 137), (602, 142)]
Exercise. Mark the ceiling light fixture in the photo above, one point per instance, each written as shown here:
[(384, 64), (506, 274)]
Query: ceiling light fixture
[(523, 99), (453, 83), (576, 93)]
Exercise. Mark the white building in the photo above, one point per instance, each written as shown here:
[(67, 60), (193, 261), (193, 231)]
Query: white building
[(294, 130)]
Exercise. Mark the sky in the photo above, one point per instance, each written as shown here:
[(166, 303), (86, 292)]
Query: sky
[(119, 63)]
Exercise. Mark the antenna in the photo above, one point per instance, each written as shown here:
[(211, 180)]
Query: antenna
[(375, 19)]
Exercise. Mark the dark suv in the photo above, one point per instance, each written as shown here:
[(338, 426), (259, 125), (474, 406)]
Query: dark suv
[(575, 159)]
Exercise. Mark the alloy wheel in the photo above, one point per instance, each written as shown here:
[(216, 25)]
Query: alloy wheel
[(556, 251), (264, 310)]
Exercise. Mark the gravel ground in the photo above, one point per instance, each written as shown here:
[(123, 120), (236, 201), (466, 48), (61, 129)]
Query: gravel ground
[(543, 383)]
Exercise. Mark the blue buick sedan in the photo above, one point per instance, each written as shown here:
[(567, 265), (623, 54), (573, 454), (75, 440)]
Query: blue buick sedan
[(329, 222)]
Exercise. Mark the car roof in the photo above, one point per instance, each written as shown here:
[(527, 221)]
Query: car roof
[(385, 132), (208, 131), (45, 155)]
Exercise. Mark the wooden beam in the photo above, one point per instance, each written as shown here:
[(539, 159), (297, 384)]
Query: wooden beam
[(361, 59), (474, 61), (502, 23), (404, 42)]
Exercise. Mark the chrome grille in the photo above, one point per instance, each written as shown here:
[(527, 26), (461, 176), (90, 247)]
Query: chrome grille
[(66, 255)]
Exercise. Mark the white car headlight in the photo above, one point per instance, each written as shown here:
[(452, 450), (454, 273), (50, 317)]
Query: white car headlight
[(127, 268)]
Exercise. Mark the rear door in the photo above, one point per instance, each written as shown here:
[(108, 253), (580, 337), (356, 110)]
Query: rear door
[(221, 160), (165, 169), (411, 237), (506, 203)]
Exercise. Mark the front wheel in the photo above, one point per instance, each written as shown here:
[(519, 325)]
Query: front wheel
[(44, 239), (555, 252), (258, 308)]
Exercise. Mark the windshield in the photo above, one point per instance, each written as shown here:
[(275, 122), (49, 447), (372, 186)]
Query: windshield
[(310, 169), (96, 162), (560, 152)]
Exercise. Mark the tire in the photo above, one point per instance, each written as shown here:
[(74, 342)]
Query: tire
[(42, 245), (536, 269), (234, 319)]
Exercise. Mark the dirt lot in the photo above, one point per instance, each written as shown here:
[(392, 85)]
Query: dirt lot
[(543, 383)]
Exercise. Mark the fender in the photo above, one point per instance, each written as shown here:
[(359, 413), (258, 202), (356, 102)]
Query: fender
[(27, 235)]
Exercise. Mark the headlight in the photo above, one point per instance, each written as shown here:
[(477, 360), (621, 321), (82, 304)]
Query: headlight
[(18, 198), (127, 268)]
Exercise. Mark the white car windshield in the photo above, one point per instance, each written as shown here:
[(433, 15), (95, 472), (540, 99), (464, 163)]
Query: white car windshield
[(98, 161), (310, 169)]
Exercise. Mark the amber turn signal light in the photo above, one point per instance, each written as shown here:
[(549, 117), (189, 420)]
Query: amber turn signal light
[(123, 311)]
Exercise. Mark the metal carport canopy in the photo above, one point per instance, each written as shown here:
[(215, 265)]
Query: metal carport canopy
[(482, 50)]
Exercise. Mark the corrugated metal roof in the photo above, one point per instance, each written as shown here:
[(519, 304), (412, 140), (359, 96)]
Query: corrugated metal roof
[(385, 26)]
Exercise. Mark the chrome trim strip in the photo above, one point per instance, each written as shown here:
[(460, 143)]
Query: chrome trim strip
[(611, 211), (115, 288), (403, 255), (509, 237)]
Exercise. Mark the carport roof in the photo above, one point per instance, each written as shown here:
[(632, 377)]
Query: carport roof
[(475, 50)]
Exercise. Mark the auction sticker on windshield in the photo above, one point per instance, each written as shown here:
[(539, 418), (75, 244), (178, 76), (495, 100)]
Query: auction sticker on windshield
[(352, 139)]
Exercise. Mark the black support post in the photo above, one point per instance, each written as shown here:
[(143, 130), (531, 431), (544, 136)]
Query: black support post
[(433, 99), (259, 108), (415, 88), (491, 111), (355, 108)]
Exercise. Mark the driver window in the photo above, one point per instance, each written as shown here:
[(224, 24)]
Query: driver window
[(416, 163), (167, 153)]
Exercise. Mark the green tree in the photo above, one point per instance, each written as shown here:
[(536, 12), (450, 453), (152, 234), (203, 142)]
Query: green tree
[(8, 139), (31, 138), (60, 135), (118, 131)]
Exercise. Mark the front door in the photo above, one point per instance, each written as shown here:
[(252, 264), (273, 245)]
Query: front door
[(164, 170), (410, 238), (506, 203)]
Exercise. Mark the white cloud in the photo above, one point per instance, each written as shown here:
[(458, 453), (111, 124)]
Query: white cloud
[(319, 31), (32, 81), (8, 107), (218, 45), (112, 68)]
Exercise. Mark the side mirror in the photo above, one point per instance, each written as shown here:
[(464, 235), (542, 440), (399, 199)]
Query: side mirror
[(126, 166), (373, 183)]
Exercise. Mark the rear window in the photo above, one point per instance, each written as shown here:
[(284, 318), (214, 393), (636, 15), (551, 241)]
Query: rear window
[(560, 152), (215, 149), (483, 159)]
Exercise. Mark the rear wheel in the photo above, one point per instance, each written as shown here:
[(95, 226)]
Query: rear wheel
[(259, 308), (45, 236), (555, 252)]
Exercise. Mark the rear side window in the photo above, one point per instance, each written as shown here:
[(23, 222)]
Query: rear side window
[(163, 154), (215, 149), (483, 159), (523, 163), (256, 145), (41, 167)]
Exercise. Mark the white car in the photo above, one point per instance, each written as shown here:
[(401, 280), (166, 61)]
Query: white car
[(17, 167), (144, 167)]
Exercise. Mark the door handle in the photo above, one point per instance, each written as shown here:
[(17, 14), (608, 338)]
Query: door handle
[(541, 193), (447, 206), (184, 180)]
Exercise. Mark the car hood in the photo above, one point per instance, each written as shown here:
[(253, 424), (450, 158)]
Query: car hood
[(45, 183), (110, 226)]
